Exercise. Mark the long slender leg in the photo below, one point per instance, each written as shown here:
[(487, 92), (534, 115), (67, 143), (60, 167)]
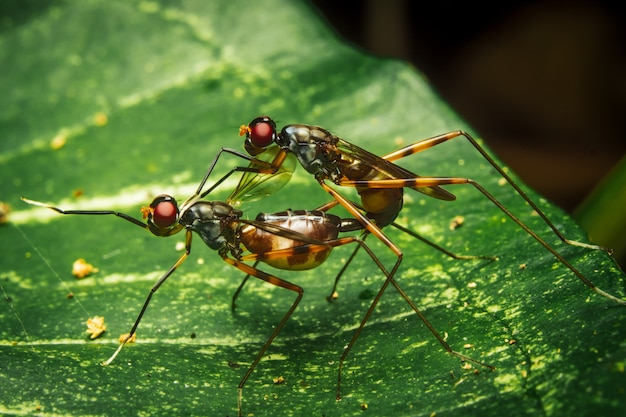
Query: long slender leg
[(423, 318), (437, 140), (389, 279), (233, 303), (154, 289), (279, 283), (428, 242), (137, 222), (88, 212), (256, 166), (432, 181), (214, 162), (372, 228), (376, 231), (344, 268), (440, 248), (416, 236)]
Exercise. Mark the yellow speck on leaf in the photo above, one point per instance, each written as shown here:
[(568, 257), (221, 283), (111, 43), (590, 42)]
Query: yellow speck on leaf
[(95, 327), (58, 141), (131, 339), (82, 269), (100, 119), (457, 222)]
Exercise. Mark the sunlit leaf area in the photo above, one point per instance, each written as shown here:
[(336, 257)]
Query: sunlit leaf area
[(106, 104)]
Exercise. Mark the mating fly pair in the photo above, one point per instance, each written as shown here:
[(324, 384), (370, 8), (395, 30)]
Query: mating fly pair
[(295, 240), (289, 240)]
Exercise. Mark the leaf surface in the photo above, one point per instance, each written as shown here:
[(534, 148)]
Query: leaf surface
[(106, 104)]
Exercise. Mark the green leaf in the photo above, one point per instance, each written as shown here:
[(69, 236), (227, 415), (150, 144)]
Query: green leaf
[(143, 95)]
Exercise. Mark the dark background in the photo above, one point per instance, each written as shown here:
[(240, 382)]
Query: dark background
[(543, 83)]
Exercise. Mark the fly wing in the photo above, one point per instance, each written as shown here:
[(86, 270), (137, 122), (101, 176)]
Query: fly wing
[(254, 186), (389, 169), (282, 231)]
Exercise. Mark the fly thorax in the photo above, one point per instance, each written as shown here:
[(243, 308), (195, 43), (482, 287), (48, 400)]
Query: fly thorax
[(313, 146), (211, 221), (308, 156), (211, 233)]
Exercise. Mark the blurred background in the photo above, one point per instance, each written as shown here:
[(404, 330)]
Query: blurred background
[(543, 83)]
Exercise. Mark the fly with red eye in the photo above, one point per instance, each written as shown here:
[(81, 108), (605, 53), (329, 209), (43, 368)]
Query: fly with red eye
[(261, 133), (291, 240), (164, 211), (272, 155), (380, 183)]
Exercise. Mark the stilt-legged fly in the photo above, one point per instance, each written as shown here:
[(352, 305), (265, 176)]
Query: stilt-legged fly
[(289, 240), (379, 181)]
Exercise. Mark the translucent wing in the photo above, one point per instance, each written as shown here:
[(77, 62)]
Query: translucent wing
[(281, 231), (255, 186)]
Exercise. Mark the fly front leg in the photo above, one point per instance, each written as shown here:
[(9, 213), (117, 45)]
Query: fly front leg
[(87, 212), (153, 290), (260, 167)]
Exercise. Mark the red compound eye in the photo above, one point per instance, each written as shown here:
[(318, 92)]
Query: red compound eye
[(262, 131), (165, 211)]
